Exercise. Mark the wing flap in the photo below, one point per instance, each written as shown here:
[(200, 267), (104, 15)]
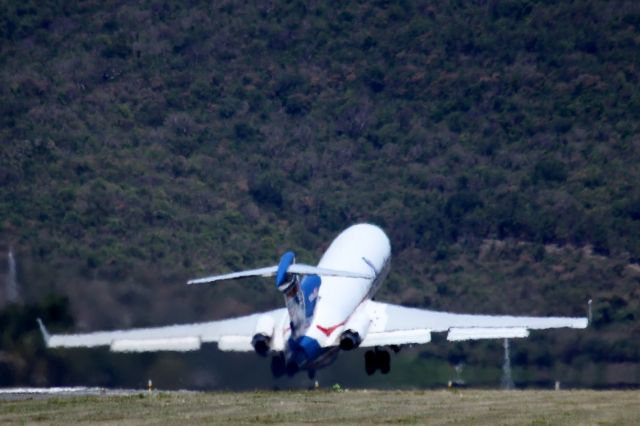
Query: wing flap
[(474, 333), (177, 344), (235, 343), (401, 337)]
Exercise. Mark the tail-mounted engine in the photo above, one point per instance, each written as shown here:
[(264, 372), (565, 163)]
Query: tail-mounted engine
[(261, 341), (355, 331)]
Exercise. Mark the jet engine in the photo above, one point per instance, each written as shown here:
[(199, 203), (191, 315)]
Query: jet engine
[(261, 341), (355, 331)]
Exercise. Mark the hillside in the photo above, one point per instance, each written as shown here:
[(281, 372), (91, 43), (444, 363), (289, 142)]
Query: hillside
[(495, 142)]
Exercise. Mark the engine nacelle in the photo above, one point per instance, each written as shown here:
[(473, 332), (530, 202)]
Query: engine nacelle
[(355, 331), (350, 340), (261, 341), (261, 344)]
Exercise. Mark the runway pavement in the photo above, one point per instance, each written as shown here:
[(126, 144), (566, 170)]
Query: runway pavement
[(12, 394)]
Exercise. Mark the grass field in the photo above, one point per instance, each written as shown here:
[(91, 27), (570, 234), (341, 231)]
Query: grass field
[(345, 407)]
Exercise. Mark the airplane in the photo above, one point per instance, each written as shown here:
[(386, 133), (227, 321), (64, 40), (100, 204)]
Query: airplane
[(328, 308)]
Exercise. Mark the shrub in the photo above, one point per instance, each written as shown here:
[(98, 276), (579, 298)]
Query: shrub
[(550, 170)]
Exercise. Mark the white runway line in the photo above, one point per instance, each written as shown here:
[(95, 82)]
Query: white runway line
[(29, 392), (55, 390)]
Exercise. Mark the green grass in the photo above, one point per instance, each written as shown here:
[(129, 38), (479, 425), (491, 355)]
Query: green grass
[(347, 407)]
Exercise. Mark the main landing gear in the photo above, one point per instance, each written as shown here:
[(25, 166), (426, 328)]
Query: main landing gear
[(278, 366), (377, 360)]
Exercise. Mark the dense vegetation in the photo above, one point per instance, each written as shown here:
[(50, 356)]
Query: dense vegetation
[(495, 141)]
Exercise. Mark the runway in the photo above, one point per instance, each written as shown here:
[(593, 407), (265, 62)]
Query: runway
[(464, 407), (14, 394)]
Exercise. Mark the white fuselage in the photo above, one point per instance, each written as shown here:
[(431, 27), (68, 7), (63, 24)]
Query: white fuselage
[(361, 248)]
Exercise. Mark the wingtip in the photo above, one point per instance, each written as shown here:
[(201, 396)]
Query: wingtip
[(585, 323), (43, 330)]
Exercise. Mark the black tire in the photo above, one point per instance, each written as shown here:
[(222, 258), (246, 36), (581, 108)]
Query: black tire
[(384, 361), (370, 362), (277, 366), (291, 368)]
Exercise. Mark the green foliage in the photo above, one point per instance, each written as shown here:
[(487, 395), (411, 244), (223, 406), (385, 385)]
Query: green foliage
[(267, 190), (21, 338), (550, 170)]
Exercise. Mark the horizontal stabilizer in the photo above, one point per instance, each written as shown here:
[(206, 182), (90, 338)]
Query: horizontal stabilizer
[(474, 333), (300, 268), (271, 271)]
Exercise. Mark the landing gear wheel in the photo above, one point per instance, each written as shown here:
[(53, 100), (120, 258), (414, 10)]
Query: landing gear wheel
[(370, 362), (384, 361), (291, 368), (277, 366)]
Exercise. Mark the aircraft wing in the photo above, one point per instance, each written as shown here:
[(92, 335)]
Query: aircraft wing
[(395, 325), (232, 334)]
